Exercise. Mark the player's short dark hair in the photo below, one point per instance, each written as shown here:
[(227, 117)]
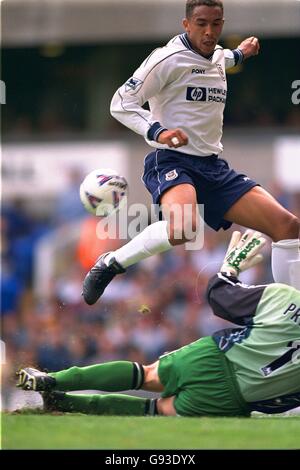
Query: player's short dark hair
[(192, 4)]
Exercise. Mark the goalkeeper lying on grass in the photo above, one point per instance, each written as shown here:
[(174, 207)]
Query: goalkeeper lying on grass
[(255, 367)]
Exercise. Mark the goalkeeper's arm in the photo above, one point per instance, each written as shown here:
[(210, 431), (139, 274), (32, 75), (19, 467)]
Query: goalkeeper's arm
[(228, 297), (232, 300)]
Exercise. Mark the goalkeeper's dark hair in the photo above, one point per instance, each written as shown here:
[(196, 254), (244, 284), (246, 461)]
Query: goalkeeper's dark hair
[(192, 4)]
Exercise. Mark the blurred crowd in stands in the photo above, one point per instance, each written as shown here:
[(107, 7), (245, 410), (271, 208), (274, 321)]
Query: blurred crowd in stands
[(55, 122), (157, 306)]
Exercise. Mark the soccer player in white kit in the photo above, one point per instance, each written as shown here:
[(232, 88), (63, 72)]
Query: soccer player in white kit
[(185, 86)]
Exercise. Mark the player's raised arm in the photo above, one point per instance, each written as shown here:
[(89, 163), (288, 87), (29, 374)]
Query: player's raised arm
[(247, 48), (228, 297)]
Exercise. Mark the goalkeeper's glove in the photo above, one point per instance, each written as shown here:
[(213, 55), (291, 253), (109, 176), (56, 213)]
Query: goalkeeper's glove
[(242, 252)]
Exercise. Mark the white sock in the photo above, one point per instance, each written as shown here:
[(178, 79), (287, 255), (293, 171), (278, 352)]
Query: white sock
[(284, 253), (151, 241)]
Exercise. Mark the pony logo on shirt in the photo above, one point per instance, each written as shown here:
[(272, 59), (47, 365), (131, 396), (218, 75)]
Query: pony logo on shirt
[(172, 175)]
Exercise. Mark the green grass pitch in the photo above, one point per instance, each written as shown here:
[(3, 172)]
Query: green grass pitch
[(75, 431)]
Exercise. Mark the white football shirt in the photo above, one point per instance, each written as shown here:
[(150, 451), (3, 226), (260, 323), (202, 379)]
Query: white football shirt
[(184, 90)]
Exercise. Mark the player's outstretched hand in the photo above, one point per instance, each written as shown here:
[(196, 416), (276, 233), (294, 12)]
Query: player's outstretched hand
[(249, 47), (173, 138), (242, 252)]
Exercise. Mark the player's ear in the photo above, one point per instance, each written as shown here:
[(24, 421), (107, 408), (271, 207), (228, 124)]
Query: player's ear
[(185, 24)]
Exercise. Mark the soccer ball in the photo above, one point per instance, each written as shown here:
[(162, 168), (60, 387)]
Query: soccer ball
[(103, 192)]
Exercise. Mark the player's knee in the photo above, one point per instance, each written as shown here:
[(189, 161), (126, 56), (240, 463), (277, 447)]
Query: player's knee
[(151, 378), (183, 231), (165, 406), (294, 228), (148, 372), (288, 226)]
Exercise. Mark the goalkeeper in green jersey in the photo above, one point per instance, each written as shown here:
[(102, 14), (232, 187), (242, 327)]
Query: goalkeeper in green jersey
[(254, 367)]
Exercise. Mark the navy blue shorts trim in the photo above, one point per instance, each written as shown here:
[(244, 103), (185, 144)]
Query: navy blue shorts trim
[(217, 186)]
